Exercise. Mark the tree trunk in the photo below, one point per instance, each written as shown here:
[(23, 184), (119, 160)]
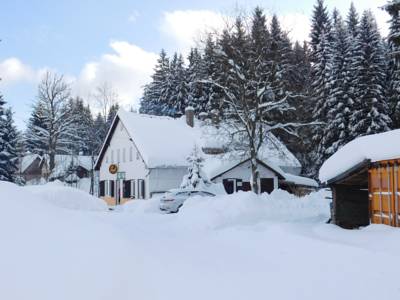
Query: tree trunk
[(254, 172), (52, 164)]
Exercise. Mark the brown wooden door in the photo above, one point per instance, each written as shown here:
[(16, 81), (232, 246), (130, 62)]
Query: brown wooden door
[(384, 194)]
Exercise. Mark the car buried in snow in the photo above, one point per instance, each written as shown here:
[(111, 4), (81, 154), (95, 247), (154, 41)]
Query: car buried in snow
[(173, 200)]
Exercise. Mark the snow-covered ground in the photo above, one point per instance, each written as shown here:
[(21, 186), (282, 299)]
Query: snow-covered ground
[(228, 247)]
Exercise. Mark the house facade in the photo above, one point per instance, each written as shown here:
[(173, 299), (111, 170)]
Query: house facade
[(145, 155)]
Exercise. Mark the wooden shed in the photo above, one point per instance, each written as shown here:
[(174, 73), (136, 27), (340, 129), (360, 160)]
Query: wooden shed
[(367, 191)]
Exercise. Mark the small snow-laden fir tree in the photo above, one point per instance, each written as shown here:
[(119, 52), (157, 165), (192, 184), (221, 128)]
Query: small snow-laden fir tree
[(56, 131), (371, 113), (8, 148), (195, 179)]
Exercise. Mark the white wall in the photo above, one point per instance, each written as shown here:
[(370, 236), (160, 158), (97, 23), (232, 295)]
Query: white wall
[(134, 169), (243, 172)]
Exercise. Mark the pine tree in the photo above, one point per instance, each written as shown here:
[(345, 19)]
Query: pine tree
[(393, 8), (153, 99), (339, 103), (8, 145), (196, 73), (371, 110), (321, 86), (320, 25), (196, 178), (111, 114)]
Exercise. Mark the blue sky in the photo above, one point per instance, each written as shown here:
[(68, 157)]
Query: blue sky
[(92, 42)]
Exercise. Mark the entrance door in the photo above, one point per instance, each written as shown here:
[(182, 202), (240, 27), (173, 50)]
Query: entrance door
[(384, 183), (229, 185), (267, 185)]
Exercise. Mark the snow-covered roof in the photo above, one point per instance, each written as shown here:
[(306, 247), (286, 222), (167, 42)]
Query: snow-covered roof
[(162, 141), (215, 165), (167, 142), (27, 160), (374, 147), (62, 162)]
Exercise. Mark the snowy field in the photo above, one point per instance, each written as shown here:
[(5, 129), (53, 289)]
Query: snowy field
[(60, 243)]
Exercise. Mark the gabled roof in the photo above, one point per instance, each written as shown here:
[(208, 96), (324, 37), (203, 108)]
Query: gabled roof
[(216, 167), (167, 142), (371, 148)]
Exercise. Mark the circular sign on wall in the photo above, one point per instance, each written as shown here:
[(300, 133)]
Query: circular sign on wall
[(113, 168)]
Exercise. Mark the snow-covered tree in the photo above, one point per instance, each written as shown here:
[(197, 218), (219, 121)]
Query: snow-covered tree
[(393, 91), (195, 178), (57, 128), (8, 145), (320, 25), (321, 85), (195, 73), (371, 113), (153, 98), (339, 105)]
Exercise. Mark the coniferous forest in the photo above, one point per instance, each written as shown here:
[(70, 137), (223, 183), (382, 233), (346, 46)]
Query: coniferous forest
[(344, 82)]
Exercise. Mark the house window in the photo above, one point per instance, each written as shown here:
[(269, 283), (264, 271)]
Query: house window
[(101, 188), (118, 155), (267, 185), (141, 189), (112, 156), (112, 188), (130, 154), (137, 155), (127, 189), (107, 159), (121, 127), (124, 155)]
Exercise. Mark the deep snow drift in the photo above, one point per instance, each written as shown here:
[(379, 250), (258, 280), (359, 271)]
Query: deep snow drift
[(228, 247)]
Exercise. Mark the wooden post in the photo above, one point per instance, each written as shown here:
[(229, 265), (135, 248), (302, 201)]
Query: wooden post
[(380, 193)]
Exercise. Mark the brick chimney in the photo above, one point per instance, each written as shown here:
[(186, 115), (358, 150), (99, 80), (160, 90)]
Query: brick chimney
[(189, 113)]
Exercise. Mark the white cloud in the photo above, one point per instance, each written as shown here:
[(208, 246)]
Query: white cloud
[(13, 70), (127, 70), (184, 26)]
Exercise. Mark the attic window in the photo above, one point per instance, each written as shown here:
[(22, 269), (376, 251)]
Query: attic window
[(121, 127), (137, 155)]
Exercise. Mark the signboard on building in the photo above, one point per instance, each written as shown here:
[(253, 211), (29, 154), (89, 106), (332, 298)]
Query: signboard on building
[(120, 175)]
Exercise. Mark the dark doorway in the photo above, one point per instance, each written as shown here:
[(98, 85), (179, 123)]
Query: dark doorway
[(229, 185), (267, 185)]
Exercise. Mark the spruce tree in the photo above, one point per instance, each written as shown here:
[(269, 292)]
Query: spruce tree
[(371, 110), (320, 25), (152, 100), (339, 102), (321, 86), (393, 8), (196, 73), (8, 145), (196, 178)]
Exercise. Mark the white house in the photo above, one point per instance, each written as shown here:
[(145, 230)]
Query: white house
[(143, 155)]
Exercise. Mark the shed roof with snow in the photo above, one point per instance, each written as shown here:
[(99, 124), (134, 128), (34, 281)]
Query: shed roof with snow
[(370, 148)]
